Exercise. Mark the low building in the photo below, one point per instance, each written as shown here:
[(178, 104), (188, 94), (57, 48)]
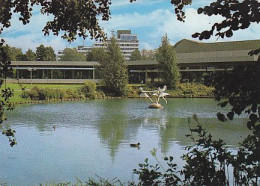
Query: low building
[(194, 59)]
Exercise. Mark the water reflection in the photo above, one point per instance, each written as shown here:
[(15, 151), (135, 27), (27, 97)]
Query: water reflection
[(112, 124), (93, 137)]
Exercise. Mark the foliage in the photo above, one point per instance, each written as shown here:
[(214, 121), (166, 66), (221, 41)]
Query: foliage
[(71, 54), (136, 55), (45, 53), (236, 15), (192, 90), (5, 93), (113, 69), (184, 90), (148, 174), (14, 53), (90, 182), (30, 55), (97, 54), (37, 93), (157, 175), (240, 88), (89, 90), (72, 17), (72, 94), (208, 162), (166, 56)]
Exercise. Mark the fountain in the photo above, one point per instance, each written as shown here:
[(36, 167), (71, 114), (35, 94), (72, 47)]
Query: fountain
[(154, 96)]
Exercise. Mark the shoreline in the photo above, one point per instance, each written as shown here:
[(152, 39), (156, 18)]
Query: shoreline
[(106, 97)]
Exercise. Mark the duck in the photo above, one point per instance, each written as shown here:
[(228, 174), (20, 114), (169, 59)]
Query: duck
[(135, 145)]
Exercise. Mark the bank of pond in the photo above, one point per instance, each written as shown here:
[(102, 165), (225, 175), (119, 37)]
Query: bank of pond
[(45, 93)]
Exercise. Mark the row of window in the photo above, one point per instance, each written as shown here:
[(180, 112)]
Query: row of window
[(55, 74)]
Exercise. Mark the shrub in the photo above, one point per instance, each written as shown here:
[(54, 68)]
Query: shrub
[(132, 91), (25, 95), (37, 93), (89, 90), (71, 94), (33, 93), (100, 94)]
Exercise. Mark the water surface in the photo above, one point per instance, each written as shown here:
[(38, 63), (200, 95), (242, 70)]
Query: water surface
[(92, 138)]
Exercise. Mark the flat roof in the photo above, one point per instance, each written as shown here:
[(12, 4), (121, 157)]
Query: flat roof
[(189, 46), (54, 63), (78, 63)]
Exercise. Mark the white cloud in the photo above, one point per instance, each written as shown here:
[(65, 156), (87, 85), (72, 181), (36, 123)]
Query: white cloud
[(150, 27), (159, 22), (31, 36), (145, 45), (134, 20)]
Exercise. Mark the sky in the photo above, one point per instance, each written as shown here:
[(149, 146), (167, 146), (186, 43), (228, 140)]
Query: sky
[(148, 19)]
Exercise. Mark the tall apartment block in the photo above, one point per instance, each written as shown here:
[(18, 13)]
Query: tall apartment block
[(126, 41)]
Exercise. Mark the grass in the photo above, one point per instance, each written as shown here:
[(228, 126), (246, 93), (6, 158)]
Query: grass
[(184, 90), (18, 89)]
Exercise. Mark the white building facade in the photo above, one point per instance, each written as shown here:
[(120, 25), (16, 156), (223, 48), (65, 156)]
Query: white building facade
[(126, 41)]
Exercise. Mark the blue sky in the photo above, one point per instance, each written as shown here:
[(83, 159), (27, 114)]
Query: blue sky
[(149, 19)]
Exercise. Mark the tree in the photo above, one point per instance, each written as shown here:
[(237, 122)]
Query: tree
[(30, 55), (69, 16), (113, 69), (14, 53), (6, 92), (71, 54), (136, 55), (21, 57), (97, 54), (237, 15), (166, 56), (45, 53), (49, 54)]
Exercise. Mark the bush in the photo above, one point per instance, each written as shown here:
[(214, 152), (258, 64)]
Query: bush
[(89, 90), (192, 90), (37, 93), (183, 89), (54, 94), (25, 95), (100, 94), (71, 94), (132, 91), (33, 93)]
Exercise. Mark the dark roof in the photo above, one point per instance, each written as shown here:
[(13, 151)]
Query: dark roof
[(54, 63), (189, 46), (78, 63)]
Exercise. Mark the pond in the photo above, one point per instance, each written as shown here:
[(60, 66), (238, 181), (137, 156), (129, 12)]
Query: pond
[(92, 138)]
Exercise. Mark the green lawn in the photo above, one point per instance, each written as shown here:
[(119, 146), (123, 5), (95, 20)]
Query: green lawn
[(17, 89), (28, 86)]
